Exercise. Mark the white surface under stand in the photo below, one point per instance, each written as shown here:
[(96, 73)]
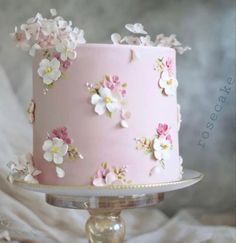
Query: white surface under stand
[(105, 203)]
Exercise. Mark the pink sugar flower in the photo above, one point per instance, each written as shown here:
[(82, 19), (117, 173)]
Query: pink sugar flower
[(62, 134), (101, 173), (64, 64), (111, 82), (123, 92), (162, 129), (168, 137), (169, 65)]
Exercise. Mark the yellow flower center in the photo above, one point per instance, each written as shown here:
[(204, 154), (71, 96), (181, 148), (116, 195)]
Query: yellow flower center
[(48, 70), (107, 99), (66, 49), (54, 149), (169, 82), (164, 146)]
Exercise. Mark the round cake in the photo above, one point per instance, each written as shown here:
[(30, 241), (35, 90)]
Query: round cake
[(102, 114)]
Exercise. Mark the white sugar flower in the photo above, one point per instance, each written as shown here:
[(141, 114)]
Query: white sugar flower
[(135, 28), (146, 41), (116, 38), (109, 179), (131, 40), (55, 150), (53, 12), (33, 49), (168, 83), (162, 147), (23, 169), (77, 36), (49, 70), (48, 26), (67, 50), (20, 39), (105, 100)]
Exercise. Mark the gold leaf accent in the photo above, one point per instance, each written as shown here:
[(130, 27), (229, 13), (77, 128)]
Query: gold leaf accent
[(73, 152)]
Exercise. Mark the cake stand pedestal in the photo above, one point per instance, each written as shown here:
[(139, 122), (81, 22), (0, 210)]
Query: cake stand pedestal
[(106, 203), (105, 223)]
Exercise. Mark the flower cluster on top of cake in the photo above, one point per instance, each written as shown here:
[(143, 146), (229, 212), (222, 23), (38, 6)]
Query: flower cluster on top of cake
[(108, 96), (142, 38), (57, 37)]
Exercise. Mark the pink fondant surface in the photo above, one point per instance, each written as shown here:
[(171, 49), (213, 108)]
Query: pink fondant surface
[(100, 138)]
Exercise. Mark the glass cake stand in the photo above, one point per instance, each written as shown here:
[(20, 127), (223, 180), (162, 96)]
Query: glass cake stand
[(105, 204)]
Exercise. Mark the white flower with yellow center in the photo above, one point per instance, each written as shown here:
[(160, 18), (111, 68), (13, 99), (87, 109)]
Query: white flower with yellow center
[(161, 147), (168, 83), (67, 50), (49, 70), (54, 150), (105, 100)]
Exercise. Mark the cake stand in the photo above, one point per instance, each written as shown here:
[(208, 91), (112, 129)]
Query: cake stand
[(105, 204)]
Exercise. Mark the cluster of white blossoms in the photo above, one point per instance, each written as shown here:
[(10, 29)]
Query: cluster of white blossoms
[(23, 170), (142, 38), (49, 33)]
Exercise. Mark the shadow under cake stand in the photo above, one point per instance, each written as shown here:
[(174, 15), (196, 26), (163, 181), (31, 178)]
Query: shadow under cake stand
[(104, 204)]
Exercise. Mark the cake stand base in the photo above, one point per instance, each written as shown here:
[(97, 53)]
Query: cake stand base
[(105, 204), (105, 224)]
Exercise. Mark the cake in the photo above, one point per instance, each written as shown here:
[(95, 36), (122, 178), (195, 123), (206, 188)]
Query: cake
[(102, 114)]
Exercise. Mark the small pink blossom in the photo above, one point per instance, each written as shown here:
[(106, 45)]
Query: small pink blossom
[(64, 64), (162, 129), (123, 92), (62, 134), (102, 173), (168, 137), (169, 65), (111, 82)]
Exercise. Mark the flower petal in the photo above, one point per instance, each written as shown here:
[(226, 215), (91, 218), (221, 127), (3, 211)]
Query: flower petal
[(45, 62), (95, 99), (57, 159), (48, 156), (60, 172), (57, 142), (100, 108), (72, 55), (47, 145), (158, 154), (110, 178), (124, 124), (156, 144), (105, 92), (63, 149), (29, 178), (98, 182), (112, 107), (47, 81), (116, 38), (156, 170), (55, 63), (135, 28)]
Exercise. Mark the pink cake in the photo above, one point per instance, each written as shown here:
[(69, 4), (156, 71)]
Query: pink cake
[(102, 114)]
